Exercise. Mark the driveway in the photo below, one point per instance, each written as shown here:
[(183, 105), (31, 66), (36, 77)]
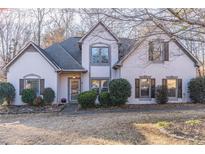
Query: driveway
[(97, 128)]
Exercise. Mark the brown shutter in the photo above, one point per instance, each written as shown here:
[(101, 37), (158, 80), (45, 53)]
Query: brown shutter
[(21, 86), (152, 88), (179, 88), (151, 50), (137, 88), (164, 82), (166, 51), (42, 86)]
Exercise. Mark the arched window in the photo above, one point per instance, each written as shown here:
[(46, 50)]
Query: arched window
[(32, 81)]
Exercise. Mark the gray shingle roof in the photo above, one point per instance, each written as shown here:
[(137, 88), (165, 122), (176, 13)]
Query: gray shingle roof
[(62, 57), (71, 45), (67, 54)]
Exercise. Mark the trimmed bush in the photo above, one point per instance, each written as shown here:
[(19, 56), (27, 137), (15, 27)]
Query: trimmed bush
[(161, 95), (48, 95), (104, 99), (120, 90), (28, 96), (87, 99), (38, 101), (7, 92), (196, 89)]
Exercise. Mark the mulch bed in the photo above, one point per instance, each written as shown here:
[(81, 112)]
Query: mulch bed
[(31, 109)]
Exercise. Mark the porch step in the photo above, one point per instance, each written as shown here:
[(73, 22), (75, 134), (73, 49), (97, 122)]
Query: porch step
[(70, 108), (73, 102)]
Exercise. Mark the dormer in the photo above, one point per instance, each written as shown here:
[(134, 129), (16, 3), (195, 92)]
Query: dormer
[(100, 46)]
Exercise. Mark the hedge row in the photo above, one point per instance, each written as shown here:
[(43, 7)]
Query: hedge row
[(29, 97)]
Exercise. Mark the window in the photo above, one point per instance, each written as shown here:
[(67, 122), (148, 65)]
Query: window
[(172, 87), (158, 50), (32, 84), (99, 55), (145, 88), (99, 85)]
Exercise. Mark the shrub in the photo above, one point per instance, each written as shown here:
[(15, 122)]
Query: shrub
[(161, 95), (120, 90), (38, 101), (28, 96), (7, 92), (48, 95), (196, 89), (87, 99), (104, 99)]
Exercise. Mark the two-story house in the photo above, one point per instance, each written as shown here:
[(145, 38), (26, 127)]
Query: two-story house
[(81, 63)]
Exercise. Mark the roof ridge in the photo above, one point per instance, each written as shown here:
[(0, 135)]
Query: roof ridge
[(69, 54), (46, 54)]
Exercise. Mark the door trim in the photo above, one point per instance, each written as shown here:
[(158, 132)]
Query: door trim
[(69, 88)]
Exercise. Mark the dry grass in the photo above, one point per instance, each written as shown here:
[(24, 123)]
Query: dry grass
[(102, 128), (154, 136)]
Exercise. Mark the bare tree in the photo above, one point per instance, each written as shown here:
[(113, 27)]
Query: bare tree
[(187, 25), (14, 32), (39, 16), (47, 26)]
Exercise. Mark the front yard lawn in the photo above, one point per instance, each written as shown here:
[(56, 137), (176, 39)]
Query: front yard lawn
[(98, 128)]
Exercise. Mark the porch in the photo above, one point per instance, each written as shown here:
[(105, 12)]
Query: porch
[(69, 86)]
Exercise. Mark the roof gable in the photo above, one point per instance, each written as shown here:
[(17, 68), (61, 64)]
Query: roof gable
[(93, 28), (140, 41), (36, 48)]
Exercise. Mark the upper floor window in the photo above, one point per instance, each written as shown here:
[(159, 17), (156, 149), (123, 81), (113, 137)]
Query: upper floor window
[(158, 50), (100, 55)]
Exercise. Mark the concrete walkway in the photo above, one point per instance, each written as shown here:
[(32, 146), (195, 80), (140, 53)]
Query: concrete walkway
[(70, 108)]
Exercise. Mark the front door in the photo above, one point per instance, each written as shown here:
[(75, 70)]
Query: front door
[(74, 89)]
